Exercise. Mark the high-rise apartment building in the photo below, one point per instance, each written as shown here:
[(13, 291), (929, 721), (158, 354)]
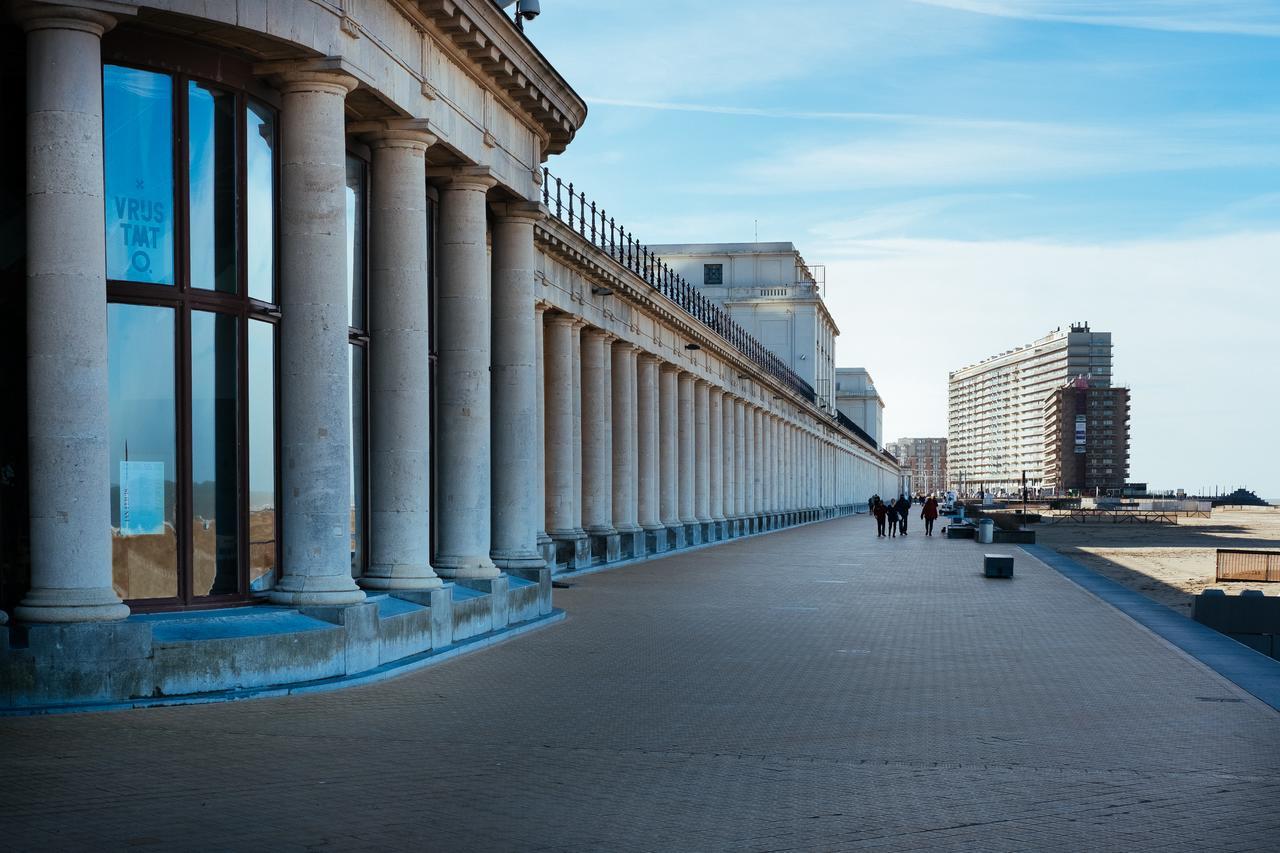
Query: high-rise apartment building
[(1086, 449), (926, 458), (995, 408)]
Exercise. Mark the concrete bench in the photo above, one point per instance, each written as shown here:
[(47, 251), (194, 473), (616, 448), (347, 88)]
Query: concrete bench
[(961, 531), (997, 565)]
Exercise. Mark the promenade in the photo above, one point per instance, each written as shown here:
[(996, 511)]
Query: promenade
[(813, 689)]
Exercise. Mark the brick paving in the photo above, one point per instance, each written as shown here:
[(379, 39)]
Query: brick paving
[(814, 689)]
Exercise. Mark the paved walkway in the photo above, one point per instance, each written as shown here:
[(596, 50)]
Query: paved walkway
[(813, 689)]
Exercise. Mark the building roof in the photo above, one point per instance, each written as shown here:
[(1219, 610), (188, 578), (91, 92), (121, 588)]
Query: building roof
[(661, 249)]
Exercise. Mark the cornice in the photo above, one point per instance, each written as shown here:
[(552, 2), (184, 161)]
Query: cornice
[(478, 35)]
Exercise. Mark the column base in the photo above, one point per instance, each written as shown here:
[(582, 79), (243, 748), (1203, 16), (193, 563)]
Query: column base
[(547, 550), (719, 530), (400, 577), (706, 533), (519, 560), (692, 533), (676, 536), (471, 567), (605, 547), (655, 540), (316, 590), (71, 605), (631, 544), (573, 551)]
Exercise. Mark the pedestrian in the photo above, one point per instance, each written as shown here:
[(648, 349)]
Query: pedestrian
[(879, 511), (929, 514), (891, 518), (904, 512)]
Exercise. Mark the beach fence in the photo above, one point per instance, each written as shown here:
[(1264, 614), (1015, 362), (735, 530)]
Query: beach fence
[(1238, 564)]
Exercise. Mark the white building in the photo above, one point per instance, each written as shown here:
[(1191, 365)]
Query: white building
[(995, 408), (858, 400), (777, 297)]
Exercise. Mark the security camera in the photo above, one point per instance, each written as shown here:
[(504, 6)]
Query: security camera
[(528, 9)]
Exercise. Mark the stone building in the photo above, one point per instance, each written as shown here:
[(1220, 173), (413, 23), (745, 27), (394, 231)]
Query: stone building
[(926, 458), (1086, 431), (995, 408), (859, 401), (323, 373), (771, 291)]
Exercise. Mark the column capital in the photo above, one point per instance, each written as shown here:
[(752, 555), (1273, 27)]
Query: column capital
[(597, 332), (329, 74), (526, 211), (668, 367), (413, 133), (559, 318), (648, 357), (625, 345), (477, 178), (51, 16), (541, 307)]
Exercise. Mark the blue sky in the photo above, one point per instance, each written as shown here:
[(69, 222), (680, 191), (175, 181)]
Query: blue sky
[(973, 173)]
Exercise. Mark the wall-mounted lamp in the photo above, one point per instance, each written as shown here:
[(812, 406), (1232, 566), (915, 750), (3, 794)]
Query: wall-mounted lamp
[(692, 346), (602, 291)]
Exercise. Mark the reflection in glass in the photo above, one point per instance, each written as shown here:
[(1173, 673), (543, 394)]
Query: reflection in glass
[(137, 126), (355, 242), (262, 456), (215, 522), (143, 412), (260, 133), (211, 127), (356, 422)]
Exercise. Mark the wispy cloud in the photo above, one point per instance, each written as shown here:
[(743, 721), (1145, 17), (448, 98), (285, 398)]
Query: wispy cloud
[(1234, 17), (966, 153)]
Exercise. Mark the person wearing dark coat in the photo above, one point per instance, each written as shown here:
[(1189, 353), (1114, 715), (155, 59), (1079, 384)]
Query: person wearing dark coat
[(891, 518), (878, 510), (930, 514), (904, 510)]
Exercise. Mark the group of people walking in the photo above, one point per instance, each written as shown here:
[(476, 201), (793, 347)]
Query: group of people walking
[(892, 515)]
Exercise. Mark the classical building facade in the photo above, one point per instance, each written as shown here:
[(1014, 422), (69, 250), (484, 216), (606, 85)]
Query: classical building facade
[(859, 401), (926, 458), (1086, 431), (995, 408), (324, 374), (774, 294)]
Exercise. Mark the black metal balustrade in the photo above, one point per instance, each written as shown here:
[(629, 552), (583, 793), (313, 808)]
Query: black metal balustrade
[(571, 207)]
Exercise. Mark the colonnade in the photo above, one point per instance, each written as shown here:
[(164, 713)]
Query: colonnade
[(558, 441)]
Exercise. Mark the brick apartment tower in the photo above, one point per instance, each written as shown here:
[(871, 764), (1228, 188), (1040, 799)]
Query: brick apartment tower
[(1086, 439)]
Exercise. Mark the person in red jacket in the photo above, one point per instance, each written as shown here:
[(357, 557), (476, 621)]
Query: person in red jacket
[(879, 510), (930, 514)]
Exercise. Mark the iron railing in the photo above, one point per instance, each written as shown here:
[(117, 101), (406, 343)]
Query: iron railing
[(592, 223)]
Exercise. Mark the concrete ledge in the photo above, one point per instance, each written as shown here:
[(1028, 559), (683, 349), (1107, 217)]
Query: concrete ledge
[(168, 658)]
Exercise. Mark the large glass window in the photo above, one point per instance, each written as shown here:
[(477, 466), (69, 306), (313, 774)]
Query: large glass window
[(192, 363), (211, 175), (260, 213), (357, 199), (138, 151), (215, 530), (144, 451)]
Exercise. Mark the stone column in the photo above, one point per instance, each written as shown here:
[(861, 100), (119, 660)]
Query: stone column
[(729, 454), (648, 431), (68, 428), (702, 459), (715, 461), (514, 391), (623, 378), (740, 457), (684, 390), (597, 445), (399, 363), (757, 482), (669, 454), (314, 351), (770, 459), (562, 525), (463, 376), (546, 548), (576, 384), (749, 506)]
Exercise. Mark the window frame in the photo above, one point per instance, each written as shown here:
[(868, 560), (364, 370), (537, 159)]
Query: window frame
[(184, 299)]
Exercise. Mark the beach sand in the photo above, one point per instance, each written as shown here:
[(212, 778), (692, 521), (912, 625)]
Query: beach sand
[(1168, 563)]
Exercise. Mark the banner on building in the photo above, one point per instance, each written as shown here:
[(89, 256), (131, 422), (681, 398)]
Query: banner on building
[(1080, 433)]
